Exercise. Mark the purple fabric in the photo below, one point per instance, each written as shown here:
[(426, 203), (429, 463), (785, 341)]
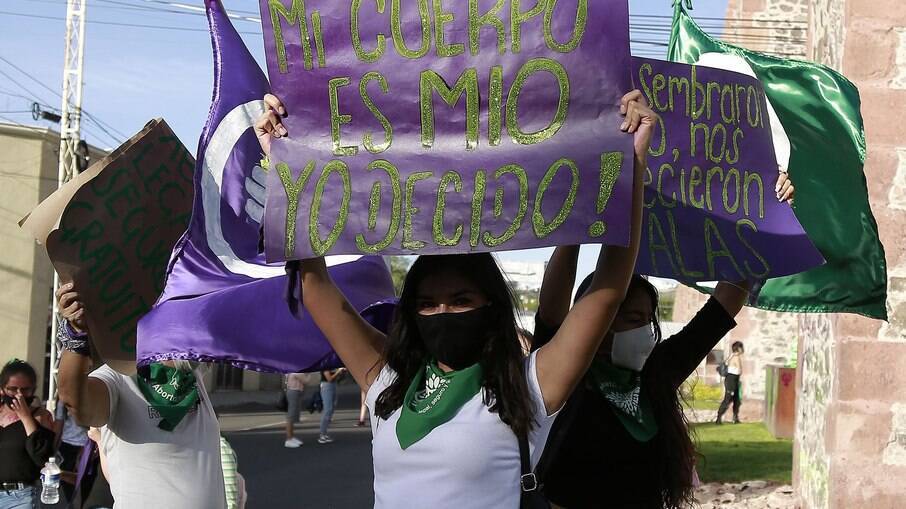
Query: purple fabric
[(222, 302), (598, 74), (686, 234)]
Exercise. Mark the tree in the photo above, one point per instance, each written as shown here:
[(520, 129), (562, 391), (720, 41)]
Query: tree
[(399, 267)]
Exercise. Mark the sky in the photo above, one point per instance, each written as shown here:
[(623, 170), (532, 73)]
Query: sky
[(135, 73)]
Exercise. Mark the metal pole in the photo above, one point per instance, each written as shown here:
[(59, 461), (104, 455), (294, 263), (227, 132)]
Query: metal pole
[(70, 134)]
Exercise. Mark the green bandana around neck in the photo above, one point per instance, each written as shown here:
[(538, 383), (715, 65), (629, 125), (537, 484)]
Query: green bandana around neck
[(170, 391), (433, 398), (622, 388)]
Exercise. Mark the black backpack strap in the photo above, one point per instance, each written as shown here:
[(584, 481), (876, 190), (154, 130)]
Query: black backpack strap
[(528, 481)]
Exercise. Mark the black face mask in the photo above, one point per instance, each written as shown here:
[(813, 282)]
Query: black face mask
[(7, 400), (456, 339)]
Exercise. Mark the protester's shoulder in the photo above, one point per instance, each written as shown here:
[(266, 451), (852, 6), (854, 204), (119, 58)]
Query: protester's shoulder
[(383, 380), (531, 373), (111, 377), (44, 417)]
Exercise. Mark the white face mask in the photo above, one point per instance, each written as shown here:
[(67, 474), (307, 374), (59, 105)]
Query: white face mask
[(632, 348)]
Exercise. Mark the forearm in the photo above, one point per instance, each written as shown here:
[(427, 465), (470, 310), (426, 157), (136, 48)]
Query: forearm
[(557, 285), (563, 361), (356, 342), (732, 296)]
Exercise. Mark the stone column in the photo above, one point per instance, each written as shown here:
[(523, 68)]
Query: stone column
[(851, 433)]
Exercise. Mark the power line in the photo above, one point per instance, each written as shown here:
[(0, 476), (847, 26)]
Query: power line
[(666, 30), (182, 5), (705, 18), (116, 140), (27, 75), (106, 128), (20, 85), (115, 23)]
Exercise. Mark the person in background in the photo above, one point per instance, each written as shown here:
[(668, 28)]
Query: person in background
[(732, 383), (233, 481), (71, 439), (295, 385), (329, 381), (159, 431), (26, 436)]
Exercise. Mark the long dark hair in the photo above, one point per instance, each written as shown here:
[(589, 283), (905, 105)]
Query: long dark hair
[(17, 367), (505, 388), (673, 444)]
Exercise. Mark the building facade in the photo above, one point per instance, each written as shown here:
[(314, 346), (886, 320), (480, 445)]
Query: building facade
[(850, 444), (29, 160)]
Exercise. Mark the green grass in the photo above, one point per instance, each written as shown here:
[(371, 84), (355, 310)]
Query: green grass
[(742, 452), (700, 396), (703, 404)]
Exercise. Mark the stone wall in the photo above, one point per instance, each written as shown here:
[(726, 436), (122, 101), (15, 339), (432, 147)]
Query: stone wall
[(762, 29), (851, 422), (817, 363)]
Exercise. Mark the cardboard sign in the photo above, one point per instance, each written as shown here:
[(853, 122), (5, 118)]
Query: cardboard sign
[(710, 208), (447, 127), (111, 230)]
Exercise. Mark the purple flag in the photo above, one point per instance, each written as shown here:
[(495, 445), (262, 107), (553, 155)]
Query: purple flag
[(222, 302)]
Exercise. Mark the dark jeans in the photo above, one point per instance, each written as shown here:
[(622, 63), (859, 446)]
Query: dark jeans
[(731, 395)]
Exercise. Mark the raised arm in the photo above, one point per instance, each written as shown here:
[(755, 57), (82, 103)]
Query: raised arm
[(557, 287), (357, 343), (86, 399), (562, 362)]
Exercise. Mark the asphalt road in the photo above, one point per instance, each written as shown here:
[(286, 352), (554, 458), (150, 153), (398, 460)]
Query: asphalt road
[(314, 476)]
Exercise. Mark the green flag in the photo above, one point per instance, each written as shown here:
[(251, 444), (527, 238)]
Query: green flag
[(819, 111)]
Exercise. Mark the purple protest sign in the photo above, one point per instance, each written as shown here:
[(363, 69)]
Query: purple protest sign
[(710, 208), (460, 127)]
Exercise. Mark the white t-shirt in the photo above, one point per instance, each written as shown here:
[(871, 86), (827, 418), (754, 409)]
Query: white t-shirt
[(471, 461), (153, 468)]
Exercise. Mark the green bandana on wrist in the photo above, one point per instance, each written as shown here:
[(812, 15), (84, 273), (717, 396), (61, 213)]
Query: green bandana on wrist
[(169, 391), (622, 388), (433, 398)]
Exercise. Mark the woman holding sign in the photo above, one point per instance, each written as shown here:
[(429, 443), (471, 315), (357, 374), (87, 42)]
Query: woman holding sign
[(622, 441), (458, 412)]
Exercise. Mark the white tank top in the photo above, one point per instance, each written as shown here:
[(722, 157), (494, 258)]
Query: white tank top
[(732, 368)]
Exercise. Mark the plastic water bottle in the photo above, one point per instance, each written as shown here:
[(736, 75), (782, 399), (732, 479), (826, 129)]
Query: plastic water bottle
[(50, 482)]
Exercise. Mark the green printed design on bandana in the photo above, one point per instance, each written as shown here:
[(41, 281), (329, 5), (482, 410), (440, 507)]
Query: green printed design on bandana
[(622, 388), (433, 398), (171, 392)]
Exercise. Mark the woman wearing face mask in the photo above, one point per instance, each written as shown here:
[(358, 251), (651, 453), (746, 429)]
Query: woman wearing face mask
[(26, 436), (449, 390), (622, 441)]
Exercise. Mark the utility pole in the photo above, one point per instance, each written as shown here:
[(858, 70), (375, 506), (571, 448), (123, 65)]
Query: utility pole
[(70, 134)]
